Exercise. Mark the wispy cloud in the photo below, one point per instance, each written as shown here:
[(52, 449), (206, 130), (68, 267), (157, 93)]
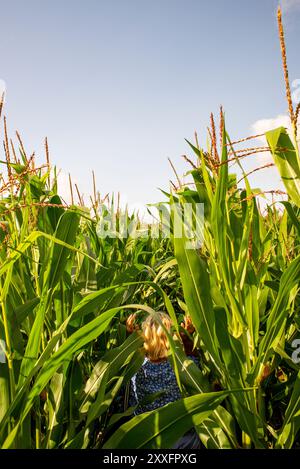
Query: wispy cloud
[(264, 125), (289, 6)]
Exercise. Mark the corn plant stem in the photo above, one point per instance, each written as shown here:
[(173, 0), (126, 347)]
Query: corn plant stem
[(12, 386), (35, 264), (38, 428), (43, 340), (252, 395), (61, 313), (261, 404), (246, 441), (71, 428)]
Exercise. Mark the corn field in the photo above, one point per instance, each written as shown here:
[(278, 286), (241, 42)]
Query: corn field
[(65, 294)]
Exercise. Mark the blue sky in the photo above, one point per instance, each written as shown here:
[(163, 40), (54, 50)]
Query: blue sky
[(117, 85)]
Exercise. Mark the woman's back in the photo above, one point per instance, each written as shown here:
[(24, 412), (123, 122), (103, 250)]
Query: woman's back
[(154, 378), (157, 375)]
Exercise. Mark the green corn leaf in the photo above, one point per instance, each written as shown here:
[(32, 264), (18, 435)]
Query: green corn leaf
[(291, 422), (110, 364), (66, 232), (292, 214), (294, 404), (196, 288), (162, 428), (277, 317), (194, 380), (286, 159), (55, 409)]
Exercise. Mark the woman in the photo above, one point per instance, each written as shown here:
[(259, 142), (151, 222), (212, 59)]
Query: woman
[(156, 376)]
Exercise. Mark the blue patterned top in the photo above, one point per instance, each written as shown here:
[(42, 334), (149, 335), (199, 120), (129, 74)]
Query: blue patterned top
[(154, 378)]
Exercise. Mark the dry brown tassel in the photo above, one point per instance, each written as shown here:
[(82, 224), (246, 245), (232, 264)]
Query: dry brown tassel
[(285, 68), (221, 127), (47, 153), (48, 161), (118, 203), (214, 139), (189, 161), (32, 160), (268, 165), (7, 153), (198, 148), (71, 189), (175, 172), (21, 145), (79, 196), (245, 139), (13, 150), (1, 103), (94, 189)]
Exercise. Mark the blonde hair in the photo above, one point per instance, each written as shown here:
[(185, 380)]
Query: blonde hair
[(156, 344)]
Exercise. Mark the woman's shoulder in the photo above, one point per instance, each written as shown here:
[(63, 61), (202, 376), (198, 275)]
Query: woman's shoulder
[(156, 368)]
